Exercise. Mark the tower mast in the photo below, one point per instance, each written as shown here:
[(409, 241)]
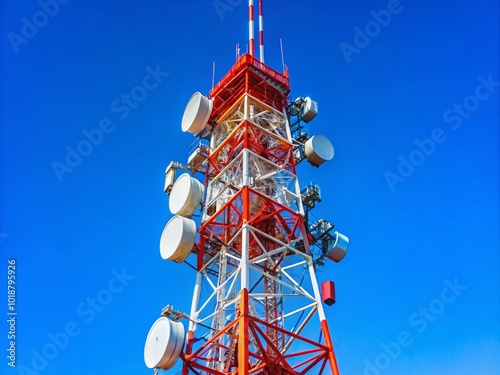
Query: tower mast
[(261, 32), (256, 295), (251, 39)]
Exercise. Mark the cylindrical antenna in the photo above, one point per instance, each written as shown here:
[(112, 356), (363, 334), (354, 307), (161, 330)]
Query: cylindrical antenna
[(261, 33), (282, 55), (251, 40)]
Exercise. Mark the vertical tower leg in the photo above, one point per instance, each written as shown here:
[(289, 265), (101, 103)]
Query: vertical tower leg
[(329, 344), (324, 325), (243, 359), (194, 308)]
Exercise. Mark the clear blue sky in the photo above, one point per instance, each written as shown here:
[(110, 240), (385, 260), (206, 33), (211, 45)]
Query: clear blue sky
[(411, 107)]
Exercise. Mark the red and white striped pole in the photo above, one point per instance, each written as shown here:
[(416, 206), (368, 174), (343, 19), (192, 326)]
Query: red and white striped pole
[(261, 33), (251, 40)]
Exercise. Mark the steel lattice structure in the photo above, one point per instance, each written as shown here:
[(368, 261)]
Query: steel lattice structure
[(256, 289), (256, 292)]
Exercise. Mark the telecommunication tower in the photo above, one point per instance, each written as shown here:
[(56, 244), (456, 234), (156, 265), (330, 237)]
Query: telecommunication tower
[(257, 250)]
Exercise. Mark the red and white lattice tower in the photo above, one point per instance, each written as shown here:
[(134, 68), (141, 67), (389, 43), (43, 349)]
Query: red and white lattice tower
[(256, 292)]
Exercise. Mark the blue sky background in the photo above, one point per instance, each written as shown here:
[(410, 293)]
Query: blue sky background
[(71, 238)]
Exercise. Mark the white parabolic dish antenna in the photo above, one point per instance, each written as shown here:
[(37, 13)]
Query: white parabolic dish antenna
[(177, 239), (186, 195), (318, 149), (340, 247), (164, 344), (196, 114)]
